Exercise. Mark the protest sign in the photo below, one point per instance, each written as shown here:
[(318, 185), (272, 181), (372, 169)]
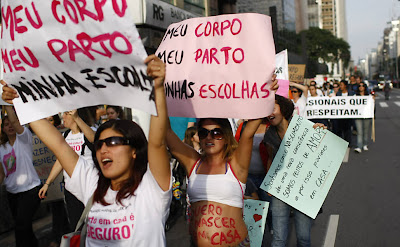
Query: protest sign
[(296, 72), (282, 73), (340, 107), (254, 215), (62, 55), (217, 68), (305, 166), (43, 161)]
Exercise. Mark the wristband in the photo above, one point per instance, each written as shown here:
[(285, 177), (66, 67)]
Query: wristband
[(47, 184)]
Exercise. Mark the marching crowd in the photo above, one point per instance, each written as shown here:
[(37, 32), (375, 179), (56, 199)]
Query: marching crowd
[(125, 179)]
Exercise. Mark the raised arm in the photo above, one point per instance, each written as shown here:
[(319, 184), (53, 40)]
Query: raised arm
[(301, 87), (14, 119), (55, 170), (157, 149), (87, 131)]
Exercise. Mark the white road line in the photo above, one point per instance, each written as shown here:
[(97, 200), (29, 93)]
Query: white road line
[(346, 156), (398, 96), (330, 236), (383, 104), (397, 103)]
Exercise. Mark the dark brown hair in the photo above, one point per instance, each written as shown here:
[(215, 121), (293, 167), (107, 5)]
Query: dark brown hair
[(286, 106), (138, 141), (118, 110), (3, 137)]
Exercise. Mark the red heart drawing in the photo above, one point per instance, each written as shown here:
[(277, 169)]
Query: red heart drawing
[(257, 217)]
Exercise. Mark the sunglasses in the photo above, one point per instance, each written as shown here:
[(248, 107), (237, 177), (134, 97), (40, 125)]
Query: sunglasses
[(216, 133), (361, 86), (111, 142), (294, 91), (335, 87)]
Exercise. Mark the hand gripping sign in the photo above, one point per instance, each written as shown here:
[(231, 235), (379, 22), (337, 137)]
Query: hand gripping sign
[(61, 55), (219, 66)]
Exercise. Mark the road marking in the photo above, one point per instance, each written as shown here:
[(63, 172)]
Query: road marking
[(397, 103), (346, 156), (383, 104), (330, 236)]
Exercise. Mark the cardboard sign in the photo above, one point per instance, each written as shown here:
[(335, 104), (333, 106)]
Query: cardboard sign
[(340, 107), (217, 68), (296, 72), (63, 55), (254, 216), (43, 161), (282, 73), (305, 166)]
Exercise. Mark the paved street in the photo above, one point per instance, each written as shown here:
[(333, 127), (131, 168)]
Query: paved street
[(361, 207)]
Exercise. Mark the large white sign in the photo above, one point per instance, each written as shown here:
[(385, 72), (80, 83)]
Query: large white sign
[(340, 107), (61, 55)]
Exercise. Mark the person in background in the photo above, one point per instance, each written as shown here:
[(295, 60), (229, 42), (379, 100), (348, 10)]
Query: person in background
[(19, 176), (313, 93), (192, 138), (115, 112), (319, 91), (180, 124), (80, 137), (56, 121), (363, 124), (299, 93), (334, 90), (387, 89), (342, 127)]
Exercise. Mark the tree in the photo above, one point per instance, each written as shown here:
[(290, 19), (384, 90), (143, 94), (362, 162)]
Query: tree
[(322, 45)]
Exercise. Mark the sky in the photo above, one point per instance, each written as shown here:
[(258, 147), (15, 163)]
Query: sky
[(366, 20)]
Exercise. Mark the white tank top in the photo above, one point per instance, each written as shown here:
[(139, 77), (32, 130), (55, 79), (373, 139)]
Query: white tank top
[(221, 188)]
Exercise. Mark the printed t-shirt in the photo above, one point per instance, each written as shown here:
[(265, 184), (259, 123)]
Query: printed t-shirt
[(75, 141), (138, 222), (20, 174)]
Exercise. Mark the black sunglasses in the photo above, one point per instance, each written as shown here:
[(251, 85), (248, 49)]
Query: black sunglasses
[(111, 142), (216, 133), (294, 91)]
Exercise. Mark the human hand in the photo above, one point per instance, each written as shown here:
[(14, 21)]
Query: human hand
[(155, 69), (319, 125), (43, 191), (274, 85), (8, 93)]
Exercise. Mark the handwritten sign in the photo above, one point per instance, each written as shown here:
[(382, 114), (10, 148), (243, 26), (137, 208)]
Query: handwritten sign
[(296, 72), (62, 55), (340, 107), (217, 68), (305, 166), (43, 161), (254, 216), (282, 73)]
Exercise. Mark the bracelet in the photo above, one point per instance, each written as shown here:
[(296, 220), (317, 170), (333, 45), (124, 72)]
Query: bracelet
[(47, 184)]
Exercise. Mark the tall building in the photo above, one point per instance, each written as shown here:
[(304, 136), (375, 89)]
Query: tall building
[(333, 17), (314, 13)]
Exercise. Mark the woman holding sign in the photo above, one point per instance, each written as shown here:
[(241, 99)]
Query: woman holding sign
[(217, 178), (19, 176), (279, 120), (130, 180)]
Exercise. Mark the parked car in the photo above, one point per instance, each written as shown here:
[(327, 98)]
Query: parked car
[(372, 85)]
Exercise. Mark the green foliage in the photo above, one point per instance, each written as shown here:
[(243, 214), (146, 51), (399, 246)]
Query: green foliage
[(322, 44)]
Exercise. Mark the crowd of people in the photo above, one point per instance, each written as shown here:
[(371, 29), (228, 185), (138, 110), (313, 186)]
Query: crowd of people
[(127, 178)]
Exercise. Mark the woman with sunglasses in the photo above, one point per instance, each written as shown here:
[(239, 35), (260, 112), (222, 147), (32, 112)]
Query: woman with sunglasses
[(299, 94), (217, 178), (363, 124), (130, 180)]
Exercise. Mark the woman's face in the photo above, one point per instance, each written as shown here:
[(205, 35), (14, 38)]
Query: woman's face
[(68, 120), (210, 145), (361, 87), (195, 138), (343, 87), (111, 113), (335, 88), (7, 128), (276, 117), (313, 91), (115, 161)]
